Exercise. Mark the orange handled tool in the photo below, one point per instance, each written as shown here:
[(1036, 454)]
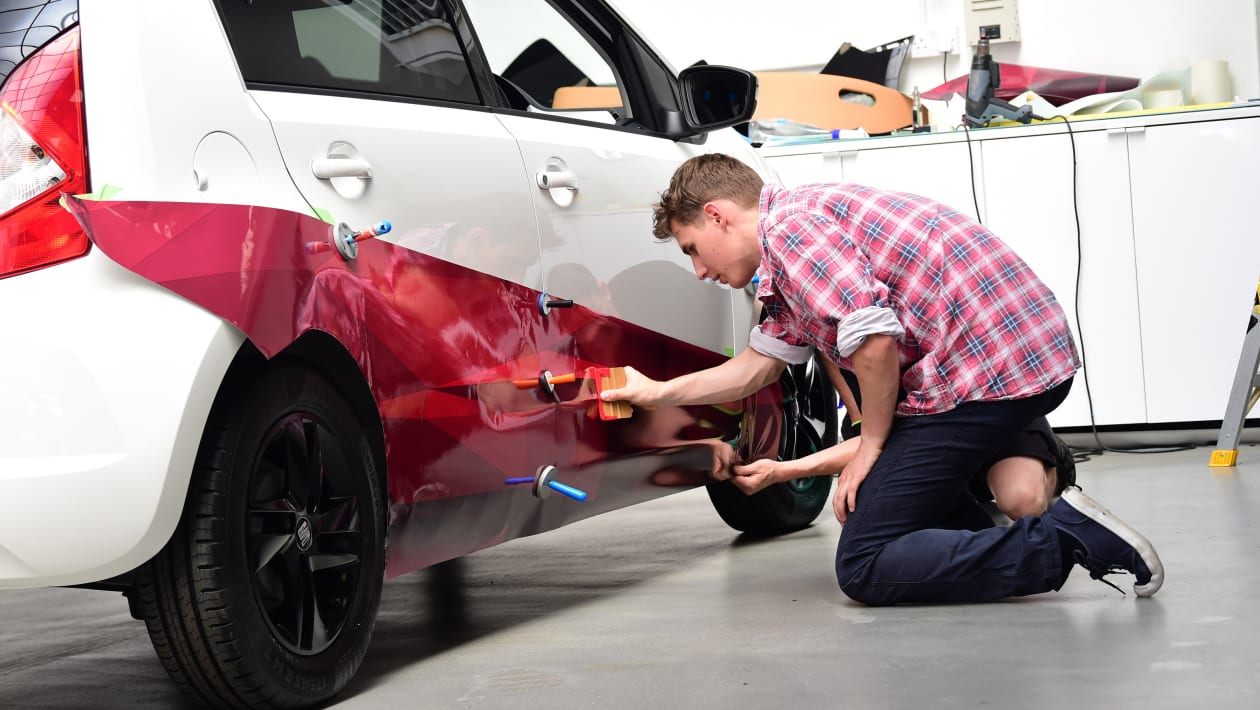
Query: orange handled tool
[(609, 378), (543, 379)]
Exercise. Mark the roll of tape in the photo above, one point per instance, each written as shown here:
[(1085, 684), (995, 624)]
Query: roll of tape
[(1162, 98), (1210, 82)]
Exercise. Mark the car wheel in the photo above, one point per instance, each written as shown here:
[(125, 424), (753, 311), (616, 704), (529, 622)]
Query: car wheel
[(267, 593), (810, 424)]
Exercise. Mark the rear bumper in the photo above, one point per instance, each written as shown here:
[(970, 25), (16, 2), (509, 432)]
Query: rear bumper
[(107, 381)]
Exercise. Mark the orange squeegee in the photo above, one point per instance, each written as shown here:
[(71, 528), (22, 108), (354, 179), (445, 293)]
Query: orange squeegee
[(609, 378)]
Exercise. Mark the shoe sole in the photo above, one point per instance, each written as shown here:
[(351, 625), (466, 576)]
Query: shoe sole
[(1091, 508)]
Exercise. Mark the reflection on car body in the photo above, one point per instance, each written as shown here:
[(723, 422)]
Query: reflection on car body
[(260, 431)]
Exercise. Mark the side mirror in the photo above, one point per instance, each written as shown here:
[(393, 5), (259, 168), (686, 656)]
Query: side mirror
[(715, 97)]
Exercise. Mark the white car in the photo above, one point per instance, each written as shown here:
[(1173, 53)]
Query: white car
[(231, 392)]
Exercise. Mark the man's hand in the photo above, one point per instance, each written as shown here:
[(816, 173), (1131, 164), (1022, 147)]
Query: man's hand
[(845, 500), (756, 476), (723, 457), (640, 390)]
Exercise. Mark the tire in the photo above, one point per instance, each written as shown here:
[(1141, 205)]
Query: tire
[(267, 593), (810, 424)]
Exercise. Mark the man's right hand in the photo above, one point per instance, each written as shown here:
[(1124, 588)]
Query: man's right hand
[(755, 476), (640, 390)]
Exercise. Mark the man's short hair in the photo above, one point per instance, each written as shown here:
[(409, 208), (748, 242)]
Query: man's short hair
[(703, 179)]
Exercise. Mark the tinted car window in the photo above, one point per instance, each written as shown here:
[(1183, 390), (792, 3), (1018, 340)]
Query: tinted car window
[(30, 26), (537, 50), (395, 47)]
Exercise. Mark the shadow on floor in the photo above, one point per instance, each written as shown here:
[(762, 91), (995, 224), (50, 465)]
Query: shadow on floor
[(426, 613)]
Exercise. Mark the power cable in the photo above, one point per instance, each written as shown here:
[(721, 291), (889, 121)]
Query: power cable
[(1080, 454), (1089, 398)]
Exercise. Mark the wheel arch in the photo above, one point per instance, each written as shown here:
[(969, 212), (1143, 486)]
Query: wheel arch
[(323, 353)]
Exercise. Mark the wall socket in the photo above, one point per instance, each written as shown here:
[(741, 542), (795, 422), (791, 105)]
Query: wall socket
[(932, 43)]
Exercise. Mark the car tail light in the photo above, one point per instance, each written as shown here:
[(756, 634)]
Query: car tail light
[(43, 153)]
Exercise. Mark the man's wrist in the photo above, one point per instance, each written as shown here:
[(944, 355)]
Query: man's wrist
[(786, 471), (667, 393)]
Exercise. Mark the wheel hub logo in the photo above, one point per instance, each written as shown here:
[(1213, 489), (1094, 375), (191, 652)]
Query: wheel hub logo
[(304, 534)]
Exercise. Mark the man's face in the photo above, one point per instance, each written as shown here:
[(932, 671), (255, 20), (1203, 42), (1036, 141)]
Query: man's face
[(717, 252)]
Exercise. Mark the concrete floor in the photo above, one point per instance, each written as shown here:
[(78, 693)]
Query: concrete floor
[(663, 606)]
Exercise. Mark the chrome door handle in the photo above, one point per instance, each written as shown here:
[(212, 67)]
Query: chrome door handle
[(552, 179), (328, 168), (559, 182)]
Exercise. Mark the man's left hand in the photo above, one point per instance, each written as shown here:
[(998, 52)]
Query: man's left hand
[(723, 457), (845, 500)]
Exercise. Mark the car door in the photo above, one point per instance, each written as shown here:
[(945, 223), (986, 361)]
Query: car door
[(594, 173), (602, 169), (379, 117)]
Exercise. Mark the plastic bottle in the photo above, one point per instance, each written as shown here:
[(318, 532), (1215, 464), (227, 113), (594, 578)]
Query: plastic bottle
[(782, 127), (780, 131)]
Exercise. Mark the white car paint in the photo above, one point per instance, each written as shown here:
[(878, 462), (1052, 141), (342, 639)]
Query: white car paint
[(478, 194), (108, 379), (107, 383)]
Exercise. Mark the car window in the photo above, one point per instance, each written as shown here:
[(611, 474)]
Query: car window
[(543, 56), (393, 47)]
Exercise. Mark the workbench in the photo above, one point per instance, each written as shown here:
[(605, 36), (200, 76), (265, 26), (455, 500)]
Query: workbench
[(1162, 285)]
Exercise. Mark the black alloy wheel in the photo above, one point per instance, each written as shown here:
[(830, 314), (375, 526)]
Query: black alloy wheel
[(303, 540), (810, 424), (267, 593)]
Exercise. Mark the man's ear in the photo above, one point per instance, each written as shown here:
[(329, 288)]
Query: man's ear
[(712, 211)]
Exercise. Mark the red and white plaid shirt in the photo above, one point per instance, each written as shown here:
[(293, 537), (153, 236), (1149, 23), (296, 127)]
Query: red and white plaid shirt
[(973, 322)]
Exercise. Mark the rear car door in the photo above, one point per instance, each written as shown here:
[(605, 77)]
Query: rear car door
[(379, 117)]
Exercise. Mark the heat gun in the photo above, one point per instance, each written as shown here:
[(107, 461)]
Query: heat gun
[(982, 102)]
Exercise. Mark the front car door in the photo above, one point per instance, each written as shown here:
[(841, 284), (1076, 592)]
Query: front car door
[(594, 173)]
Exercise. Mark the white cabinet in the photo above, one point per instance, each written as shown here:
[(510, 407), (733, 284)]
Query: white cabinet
[(1160, 284), (1197, 257), (940, 171), (1032, 204)]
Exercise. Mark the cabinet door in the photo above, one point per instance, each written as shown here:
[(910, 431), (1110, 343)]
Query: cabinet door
[(1029, 201), (1197, 261), (940, 171), (805, 168)]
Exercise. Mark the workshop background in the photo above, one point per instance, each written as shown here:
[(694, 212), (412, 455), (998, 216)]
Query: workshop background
[(1125, 38), (1140, 223)]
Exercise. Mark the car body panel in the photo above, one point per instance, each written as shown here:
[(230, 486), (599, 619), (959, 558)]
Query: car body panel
[(450, 180), (441, 347), (107, 382), (598, 247), (207, 202), (152, 96)]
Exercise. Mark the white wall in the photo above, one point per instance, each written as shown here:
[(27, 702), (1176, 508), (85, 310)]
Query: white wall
[(1125, 37)]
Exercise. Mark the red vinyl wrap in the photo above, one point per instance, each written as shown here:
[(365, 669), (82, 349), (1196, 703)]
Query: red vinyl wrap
[(439, 345)]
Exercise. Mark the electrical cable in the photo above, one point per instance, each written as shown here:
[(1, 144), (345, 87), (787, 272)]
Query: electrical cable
[(1089, 399), (971, 162), (1079, 454)]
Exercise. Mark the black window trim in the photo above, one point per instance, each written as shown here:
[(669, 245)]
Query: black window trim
[(369, 95), (595, 22), (475, 70)]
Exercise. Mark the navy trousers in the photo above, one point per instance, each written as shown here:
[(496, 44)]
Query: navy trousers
[(918, 535)]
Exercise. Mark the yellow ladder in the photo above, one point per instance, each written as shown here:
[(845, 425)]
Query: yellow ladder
[(1243, 394)]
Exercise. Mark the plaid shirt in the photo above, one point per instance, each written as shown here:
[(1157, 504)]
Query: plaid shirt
[(973, 322)]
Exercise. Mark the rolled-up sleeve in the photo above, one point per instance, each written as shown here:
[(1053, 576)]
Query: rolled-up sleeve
[(776, 347), (853, 328), (834, 282)]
